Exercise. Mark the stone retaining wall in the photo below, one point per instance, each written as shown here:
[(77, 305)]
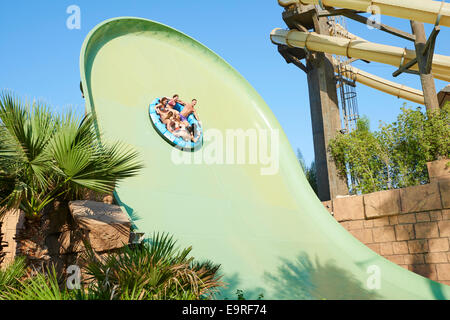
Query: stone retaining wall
[(409, 226), (11, 224), (2, 245), (58, 236)]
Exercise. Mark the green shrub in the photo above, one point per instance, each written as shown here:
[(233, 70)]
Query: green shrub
[(41, 286), (310, 172), (11, 275), (44, 156), (396, 155), (153, 270)]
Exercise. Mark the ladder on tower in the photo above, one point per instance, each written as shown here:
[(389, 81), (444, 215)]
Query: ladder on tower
[(346, 86)]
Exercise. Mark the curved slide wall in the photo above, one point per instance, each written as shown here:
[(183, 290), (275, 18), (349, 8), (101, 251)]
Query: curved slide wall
[(261, 222)]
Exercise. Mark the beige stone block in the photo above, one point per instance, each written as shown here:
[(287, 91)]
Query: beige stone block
[(363, 235), (9, 235), (106, 225), (438, 245), (7, 260), (418, 246), (358, 224), (382, 203), (444, 187), (404, 232), (436, 257), (438, 169), (400, 247), (420, 198), (422, 217), (383, 234), (348, 208), (380, 222), (396, 259), (425, 270), (368, 223), (417, 258), (446, 214), (13, 220), (11, 246), (352, 225), (9, 242), (345, 224), (393, 220), (374, 247), (406, 218), (435, 215), (425, 230), (386, 249), (443, 271), (328, 205), (444, 228)]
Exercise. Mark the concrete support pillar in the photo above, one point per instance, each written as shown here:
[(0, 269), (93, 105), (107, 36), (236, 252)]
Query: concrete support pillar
[(325, 118)]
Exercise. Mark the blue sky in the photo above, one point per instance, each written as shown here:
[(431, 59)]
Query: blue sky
[(39, 55)]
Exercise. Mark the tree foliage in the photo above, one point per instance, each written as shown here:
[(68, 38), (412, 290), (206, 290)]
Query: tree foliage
[(395, 156), (309, 171), (44, 156), (153, 270)]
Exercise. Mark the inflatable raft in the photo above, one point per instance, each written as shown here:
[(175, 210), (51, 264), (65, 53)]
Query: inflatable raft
[(171, 138)]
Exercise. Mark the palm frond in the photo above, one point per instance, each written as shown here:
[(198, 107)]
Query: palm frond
[(28, 128), (42, 286), (44, 155), (84, 163), (154, 269), (11, 275)]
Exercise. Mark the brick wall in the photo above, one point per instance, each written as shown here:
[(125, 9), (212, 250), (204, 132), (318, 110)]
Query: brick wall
[(12, 222), (2, 254), (409, 226)]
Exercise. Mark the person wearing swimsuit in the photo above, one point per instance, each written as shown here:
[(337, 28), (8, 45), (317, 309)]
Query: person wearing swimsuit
[(187, 110), (162, 107), (176, 99)]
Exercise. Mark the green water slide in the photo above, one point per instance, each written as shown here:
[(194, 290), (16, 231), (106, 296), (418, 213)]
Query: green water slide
[(259, 219)]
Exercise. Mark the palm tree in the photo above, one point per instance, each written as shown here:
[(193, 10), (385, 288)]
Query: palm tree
[(11, 275), (17, 284), (152, 270), (44, 156)]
